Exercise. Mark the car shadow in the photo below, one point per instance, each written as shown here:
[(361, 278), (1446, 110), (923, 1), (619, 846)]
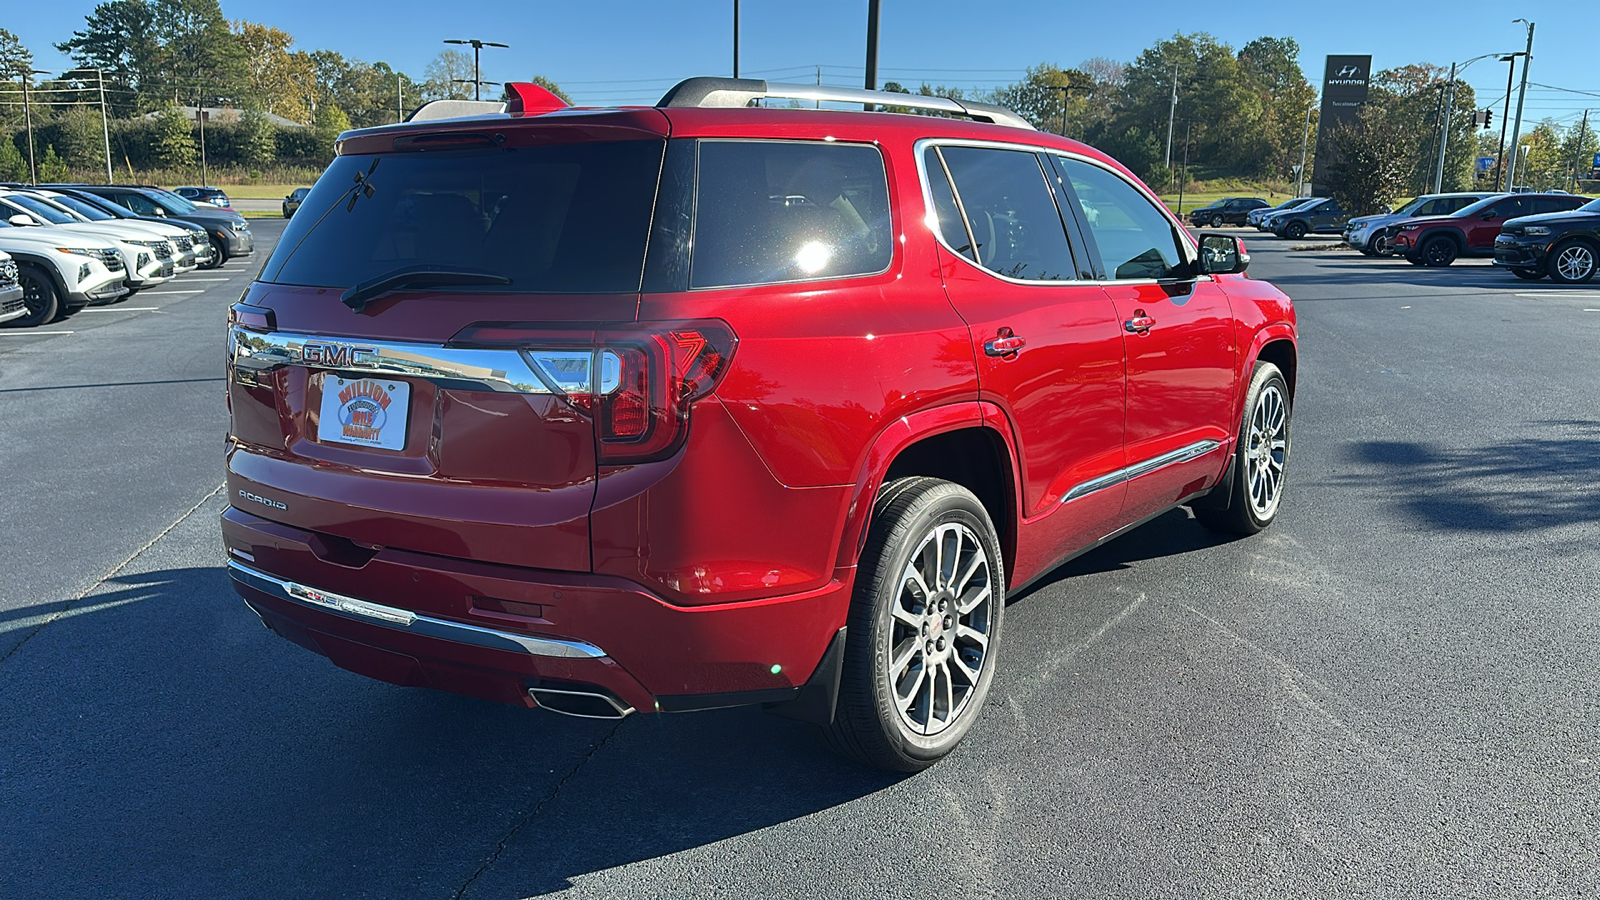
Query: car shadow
[(159, 742), (1169, 534), (1542, 479)]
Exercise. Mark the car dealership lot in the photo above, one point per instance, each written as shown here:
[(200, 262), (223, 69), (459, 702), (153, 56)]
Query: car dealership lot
[(1390, 693)]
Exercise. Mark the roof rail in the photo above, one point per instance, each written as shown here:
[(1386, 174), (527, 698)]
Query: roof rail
[(725, 93)]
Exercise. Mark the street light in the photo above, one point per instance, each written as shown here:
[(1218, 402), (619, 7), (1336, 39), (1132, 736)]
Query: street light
[(1505, 117), (1522, 94), (27, 114), (1449, 105), (477, 47)]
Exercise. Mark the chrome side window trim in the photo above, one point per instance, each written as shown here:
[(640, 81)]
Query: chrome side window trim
[(405, 620), (1128, 473), (481, 369)]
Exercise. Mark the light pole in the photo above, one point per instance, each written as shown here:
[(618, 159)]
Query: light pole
[(873, 11), (1522, 94), (736, 38), (477, 79), (27, 115), (105, 126), (1505, 117), (1449, 105)]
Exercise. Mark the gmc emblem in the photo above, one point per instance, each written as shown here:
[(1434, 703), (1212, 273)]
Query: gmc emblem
[(335, 355)]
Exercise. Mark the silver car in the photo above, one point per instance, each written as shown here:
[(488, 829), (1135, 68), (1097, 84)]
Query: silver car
[(1365, 233)]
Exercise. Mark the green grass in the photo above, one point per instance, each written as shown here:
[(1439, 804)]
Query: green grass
[(259, 191), (260, 213)]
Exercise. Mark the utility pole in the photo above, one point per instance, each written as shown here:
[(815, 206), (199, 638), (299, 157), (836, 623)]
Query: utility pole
[(1182, 179), (1505, 117), (1172, 115), (1577, 153), (27, 115), (477, 78), (873, 10), (1444, 129), (200, 113), (736, 38), (105, 123), (1522, 94), (399, 99), (1066, 94), (1305, 143)]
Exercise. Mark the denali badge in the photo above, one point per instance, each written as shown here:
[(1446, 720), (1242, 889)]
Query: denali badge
[(255, 498)]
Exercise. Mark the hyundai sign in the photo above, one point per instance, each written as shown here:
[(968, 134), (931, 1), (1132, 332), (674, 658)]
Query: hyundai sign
[(1344, 93)]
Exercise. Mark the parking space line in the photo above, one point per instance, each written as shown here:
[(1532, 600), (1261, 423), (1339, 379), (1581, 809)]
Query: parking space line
[(122, 309), (32, 333), (170, 293)]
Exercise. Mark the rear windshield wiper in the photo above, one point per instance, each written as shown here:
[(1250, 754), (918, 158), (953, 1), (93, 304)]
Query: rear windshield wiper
[(416, 277)]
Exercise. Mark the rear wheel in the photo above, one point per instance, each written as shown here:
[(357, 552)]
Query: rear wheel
[(38, 295), (1527, 274), (923, 625), (1573, 261), (1439, 250), (1260, 458)]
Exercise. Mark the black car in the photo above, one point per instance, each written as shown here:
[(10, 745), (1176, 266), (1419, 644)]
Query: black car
[(1563, 245), (211, 195), (1228, 210), (1320, 217), (227, 230)]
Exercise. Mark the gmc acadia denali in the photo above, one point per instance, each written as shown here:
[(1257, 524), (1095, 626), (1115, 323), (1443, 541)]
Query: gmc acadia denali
[(707, 404)]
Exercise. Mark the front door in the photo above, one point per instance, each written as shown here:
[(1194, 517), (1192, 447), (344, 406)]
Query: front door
[(1484, 227), (1047, 341), (1179, 338)]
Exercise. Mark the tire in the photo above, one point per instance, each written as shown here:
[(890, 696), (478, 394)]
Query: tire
[(1294, 231), (1367, 250), (39, 295), (219, 252), (1215, 221), (1376, 245), (1573, 261), (1439, 251), (1416, 260), (888, 714), (1527, 274), (1260, 458)]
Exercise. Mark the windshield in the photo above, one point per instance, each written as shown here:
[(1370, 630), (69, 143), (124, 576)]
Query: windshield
[(87, 210), (1593, 206), (1410, 206), (1477, 207), (558, 218), (40, 209), (170, 202)]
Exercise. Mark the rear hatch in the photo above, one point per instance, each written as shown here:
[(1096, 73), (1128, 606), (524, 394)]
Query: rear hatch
[(412, 367)]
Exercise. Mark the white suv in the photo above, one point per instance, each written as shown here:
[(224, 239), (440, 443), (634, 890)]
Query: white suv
[(146, 255), (11, 303), (62, 272)]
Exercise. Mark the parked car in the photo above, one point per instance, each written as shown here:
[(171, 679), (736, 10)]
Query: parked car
[(709, 405), (184, 236), (1322, 217), (1470, 230), (12, 306), (1563, 245), (61, 273), (227, 231), (1227, 211), (291, 203), (1365, 233), (1258, 217), (211, 195), (146, 256)]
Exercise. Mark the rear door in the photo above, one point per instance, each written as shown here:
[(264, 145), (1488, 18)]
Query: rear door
[(1048, 345), (1556, 203), (441, 419), (1179, 335), (1484, 227)]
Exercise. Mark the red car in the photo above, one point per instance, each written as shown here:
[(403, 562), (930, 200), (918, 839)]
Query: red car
[(1470, 230), (707, 404)]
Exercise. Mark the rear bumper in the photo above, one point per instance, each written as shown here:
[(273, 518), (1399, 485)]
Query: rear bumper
[(495, 631)]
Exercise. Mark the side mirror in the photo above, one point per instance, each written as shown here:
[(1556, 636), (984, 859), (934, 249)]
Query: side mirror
[(1222, 254), (22, 220), (160, 212)]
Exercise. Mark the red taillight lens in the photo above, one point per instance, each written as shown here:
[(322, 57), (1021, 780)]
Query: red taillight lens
[(625, 410)]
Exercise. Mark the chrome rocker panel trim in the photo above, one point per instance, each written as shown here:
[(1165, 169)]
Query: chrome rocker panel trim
[(1128, 473), (410, 622)]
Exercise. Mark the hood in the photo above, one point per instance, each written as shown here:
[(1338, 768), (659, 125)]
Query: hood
[(41, 237), (1424, 221), (110, 232), (1565, 215), (1379, 219)]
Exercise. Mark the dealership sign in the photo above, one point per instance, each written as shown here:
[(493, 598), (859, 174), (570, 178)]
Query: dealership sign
[(1345, 80)]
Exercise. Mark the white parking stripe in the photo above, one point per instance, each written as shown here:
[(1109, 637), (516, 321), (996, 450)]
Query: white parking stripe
[(31, 333), (123, 309), (169, 293)]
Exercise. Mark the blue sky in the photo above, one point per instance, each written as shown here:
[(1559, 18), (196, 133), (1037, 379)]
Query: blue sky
[(631, 51)]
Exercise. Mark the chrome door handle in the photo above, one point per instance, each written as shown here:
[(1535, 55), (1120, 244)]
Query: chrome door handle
[(1140, 323), (1005, 345)]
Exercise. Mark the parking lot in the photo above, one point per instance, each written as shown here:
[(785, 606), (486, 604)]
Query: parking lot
[(1392, 692)]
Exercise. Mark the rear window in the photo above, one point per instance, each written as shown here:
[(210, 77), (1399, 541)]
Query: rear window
[(560, 218), (776, 211)]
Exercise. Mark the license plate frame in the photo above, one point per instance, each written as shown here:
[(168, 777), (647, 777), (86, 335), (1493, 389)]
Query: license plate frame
[(364, 412)]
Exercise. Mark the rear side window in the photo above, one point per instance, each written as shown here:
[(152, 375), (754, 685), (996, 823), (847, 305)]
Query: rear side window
[(1510, 208), (1555, 204), (775, 211), (951, 227), (1012, 214), (557, 218)]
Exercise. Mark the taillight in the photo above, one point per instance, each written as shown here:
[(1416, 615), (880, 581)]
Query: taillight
[(636, 382)]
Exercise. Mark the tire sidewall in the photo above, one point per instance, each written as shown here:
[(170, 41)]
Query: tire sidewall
[(52, 306), (1265, 374), (946, 503), (1551, 264)]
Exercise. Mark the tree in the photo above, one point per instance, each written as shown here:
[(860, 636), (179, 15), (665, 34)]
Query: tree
[(120, 39), (444, 74), (15, 59), (331, 122), (174, 138), (79, 133), (1038, 96), (1370, 170), (275, 78), (258, 140), (52, 167), (13, 167)]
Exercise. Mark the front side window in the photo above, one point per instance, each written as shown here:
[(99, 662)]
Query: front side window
[(1133, 238), (1015, 224), (768, 212), (1510, 208), (138, 203)]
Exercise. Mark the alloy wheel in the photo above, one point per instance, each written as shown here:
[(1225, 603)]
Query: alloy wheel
[(1575, 262), (1266, 451), (942, 618)]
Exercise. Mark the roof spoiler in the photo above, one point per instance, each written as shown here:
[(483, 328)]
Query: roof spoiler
[(524, 99), (726, 93)]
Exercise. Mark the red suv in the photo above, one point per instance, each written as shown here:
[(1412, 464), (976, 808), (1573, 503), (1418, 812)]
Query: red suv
[(1470, 230), (707, 404)]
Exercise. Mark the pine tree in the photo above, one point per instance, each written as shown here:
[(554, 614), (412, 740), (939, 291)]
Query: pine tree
[(174, 138), (13, 165), (53, 168)]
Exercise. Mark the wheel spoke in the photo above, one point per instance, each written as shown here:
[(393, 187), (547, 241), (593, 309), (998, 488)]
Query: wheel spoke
[(978, 559), (968, 633), (907, 651), (915, 577), (905, 616), (966, 604), (967, 672), (908, 697)]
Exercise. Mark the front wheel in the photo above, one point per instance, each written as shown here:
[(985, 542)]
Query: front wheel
[(1260, 459), (923, 626), (1572, 261), (1295, 231), (1527, 274), (1439, 251), (38, 295), (219, 252)]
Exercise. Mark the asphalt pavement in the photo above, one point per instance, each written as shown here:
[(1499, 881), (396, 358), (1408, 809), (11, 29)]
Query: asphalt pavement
[(1390, 693)]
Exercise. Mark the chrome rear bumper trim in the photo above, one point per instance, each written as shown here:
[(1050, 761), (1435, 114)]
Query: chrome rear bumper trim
[(410, 622)]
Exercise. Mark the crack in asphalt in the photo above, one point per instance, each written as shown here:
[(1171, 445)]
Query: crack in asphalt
[(522, 823), (65, 607)]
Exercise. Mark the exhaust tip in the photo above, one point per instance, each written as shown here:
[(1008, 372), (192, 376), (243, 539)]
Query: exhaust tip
[(583, 704)]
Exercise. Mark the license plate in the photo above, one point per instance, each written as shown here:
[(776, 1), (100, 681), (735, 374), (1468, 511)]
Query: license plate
[(367, 412)]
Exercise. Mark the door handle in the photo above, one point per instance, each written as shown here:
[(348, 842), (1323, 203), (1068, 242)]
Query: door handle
[(1004, 344), (1140, 323)]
